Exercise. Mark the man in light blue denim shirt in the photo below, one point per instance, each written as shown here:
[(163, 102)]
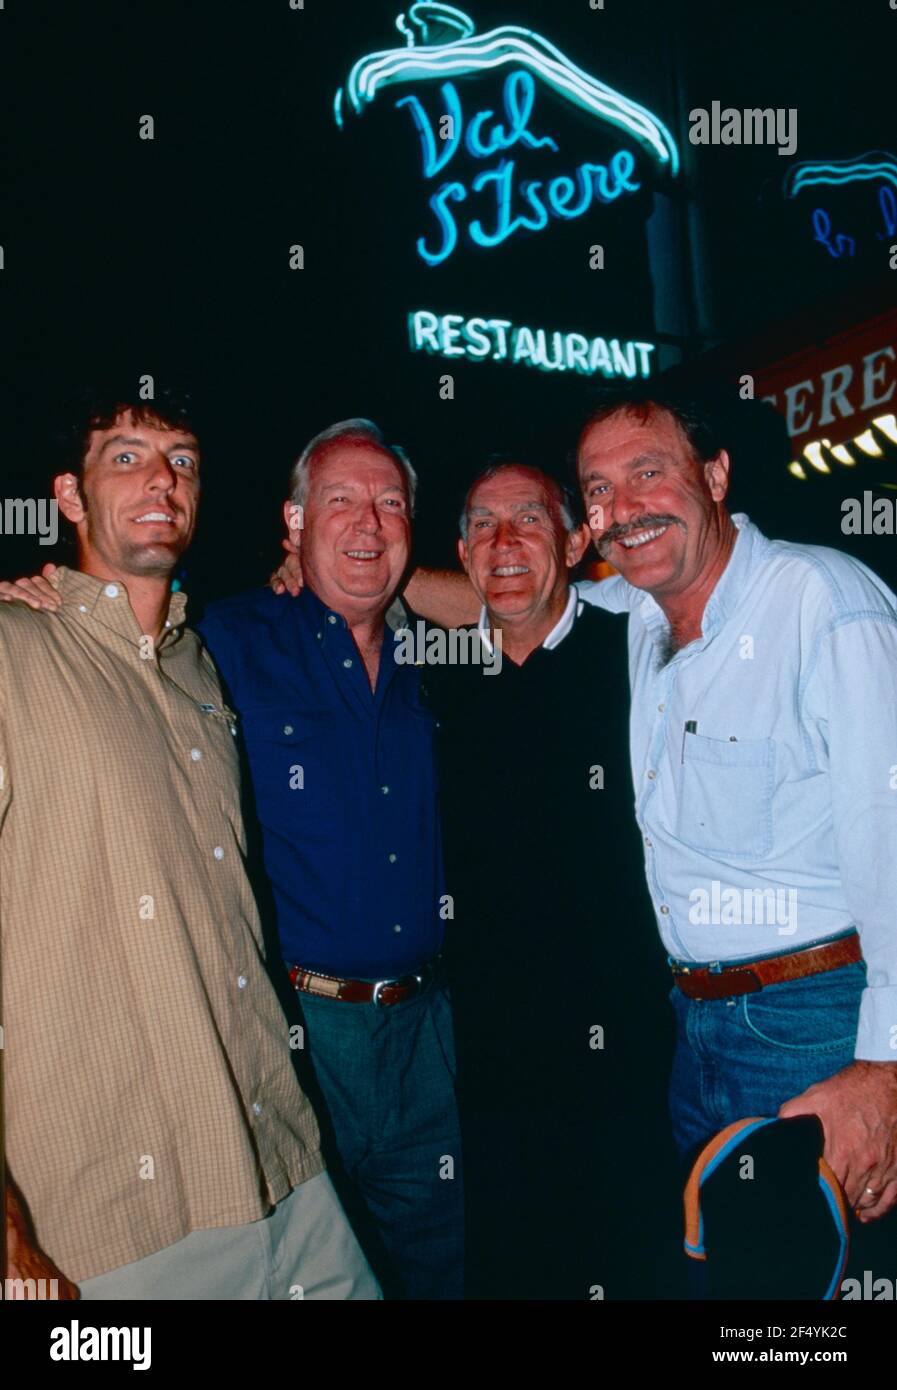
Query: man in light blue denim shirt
[(764, 757)]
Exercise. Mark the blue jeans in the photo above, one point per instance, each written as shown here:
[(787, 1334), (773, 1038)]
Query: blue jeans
[(748, 1055), (387, 1081)]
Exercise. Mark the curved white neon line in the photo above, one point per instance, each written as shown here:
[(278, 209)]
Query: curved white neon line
[(835, 178), (610, 105), (457, 58), (448, 64), (875, 164), (450, 60)]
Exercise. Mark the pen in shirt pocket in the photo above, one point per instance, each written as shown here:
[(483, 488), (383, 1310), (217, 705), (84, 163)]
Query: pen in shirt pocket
[(691, 727)]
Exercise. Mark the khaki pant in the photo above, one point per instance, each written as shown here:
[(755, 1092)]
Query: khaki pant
[(304, 1248)]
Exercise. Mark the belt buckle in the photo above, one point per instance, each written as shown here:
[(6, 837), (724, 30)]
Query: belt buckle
[(378, 989), (383, 984)]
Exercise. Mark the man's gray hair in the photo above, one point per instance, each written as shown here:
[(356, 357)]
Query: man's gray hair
[(361, 431), (565, 499)]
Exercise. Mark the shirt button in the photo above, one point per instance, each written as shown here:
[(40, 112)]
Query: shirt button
[(651, 776), (392, 858), (82, 607), (397, 927), (195, 754), (242, 982), (331, 617), (661, 708), (167, 623), (648, 843), (385, 791), (256, 1108), (348, 662), (111, 591), (318, 635), (288, 728), (665, 910), (218, 852)]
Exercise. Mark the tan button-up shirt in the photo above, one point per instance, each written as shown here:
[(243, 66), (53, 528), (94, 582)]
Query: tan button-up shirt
[(149, 1083)]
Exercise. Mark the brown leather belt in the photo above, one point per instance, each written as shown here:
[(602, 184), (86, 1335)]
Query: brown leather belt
[(700, 982), (380, 992)]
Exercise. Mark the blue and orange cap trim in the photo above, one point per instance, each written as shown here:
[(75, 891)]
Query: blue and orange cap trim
[(716, 1152)]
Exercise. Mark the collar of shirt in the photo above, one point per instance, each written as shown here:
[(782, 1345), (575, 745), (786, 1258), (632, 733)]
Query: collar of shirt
[(326, 618), (107, 602), (558, 632), (334, 640), (747, 552)]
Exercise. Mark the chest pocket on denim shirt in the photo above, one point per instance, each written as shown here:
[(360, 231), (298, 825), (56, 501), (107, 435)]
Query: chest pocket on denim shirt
[(725, 795), (291, 754)]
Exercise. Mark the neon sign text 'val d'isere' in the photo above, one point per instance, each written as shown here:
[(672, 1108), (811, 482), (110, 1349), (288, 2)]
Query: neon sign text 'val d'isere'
[(513, 204)]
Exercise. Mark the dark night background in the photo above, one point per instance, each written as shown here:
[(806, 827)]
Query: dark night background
[(171, 257)]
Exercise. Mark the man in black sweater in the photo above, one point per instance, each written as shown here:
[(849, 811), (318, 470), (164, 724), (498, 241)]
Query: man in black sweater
[(559, 987)]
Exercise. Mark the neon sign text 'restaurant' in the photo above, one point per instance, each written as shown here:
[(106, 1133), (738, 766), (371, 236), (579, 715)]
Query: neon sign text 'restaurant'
[(499, 340)]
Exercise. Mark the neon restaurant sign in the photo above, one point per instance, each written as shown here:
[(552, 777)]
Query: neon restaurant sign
[(470, 156), (499, 340)]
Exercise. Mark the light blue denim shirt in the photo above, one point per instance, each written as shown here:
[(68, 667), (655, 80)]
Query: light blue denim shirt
[(774, 823)]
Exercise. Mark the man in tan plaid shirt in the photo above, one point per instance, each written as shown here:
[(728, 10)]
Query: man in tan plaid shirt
[(158, 1143)]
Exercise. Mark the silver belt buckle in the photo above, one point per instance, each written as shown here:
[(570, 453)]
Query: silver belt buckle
[(382, 984), (378, 987)]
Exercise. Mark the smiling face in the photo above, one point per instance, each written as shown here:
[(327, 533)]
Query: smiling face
[(356, 528), (518, 552), (662, 518), (136, 511)]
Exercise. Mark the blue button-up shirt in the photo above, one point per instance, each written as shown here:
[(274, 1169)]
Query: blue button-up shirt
[(771, 821), (344, 781)]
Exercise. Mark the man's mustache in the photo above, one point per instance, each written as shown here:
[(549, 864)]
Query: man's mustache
[(619, 532)]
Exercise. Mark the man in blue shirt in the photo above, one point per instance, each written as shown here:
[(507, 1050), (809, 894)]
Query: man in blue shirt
[(764, 754), (340, 748)]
